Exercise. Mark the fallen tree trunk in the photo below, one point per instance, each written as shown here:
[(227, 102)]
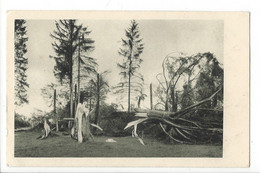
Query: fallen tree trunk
[(188, 130), (181, 112), (167, 114), (23, 129), (155, 113)]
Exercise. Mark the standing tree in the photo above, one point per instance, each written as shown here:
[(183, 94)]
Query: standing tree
[(132, 47), (99, 87), (86, 65), (66, 42), (21, 62)]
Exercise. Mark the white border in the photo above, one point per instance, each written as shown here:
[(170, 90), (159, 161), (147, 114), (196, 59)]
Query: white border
[(184, 5)]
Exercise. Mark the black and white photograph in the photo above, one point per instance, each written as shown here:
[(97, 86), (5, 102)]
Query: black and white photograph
[(128, 87), (118, 88)]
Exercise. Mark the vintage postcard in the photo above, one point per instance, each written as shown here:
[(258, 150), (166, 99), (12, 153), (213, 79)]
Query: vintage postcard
[(128, 89)]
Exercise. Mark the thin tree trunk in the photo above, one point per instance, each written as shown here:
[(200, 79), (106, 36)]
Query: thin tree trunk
[(151, 96), (71, 90), (90, 104), (176, 101), (129, 81), (90, 99), (172, 98), (54, 111), (166, 104), (98, 99), (79, 72), (76, 98), (129, 90), (71, 98), (174, 105), (139, 102), (70, 54)]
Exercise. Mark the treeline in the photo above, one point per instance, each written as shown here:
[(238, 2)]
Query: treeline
[(184, 79)]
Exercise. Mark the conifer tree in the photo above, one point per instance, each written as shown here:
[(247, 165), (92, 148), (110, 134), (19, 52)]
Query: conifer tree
[(21, 62), (132, 48), (68, 37)]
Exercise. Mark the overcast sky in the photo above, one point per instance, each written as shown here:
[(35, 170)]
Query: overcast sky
[(160, 38)]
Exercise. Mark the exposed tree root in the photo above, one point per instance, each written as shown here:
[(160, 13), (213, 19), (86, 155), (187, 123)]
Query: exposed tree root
[(189, 130)]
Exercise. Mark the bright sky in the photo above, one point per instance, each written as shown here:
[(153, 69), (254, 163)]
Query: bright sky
[(160, 38)]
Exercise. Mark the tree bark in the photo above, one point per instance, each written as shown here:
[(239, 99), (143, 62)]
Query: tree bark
[(166, 105), (98, 100), (79, 72), (129, 81), (75, 101), (90, 104), (71, 98), (129, 90), (90, 98), (70, 54), (172, 99), (139, 102), (71, 89), (54, 111)]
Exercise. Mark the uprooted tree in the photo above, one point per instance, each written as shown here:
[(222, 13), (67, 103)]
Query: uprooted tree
[(197, 109), (182, 130), (180, 74)]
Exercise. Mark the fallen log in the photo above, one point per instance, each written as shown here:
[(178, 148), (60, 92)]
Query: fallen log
[(189, 108), (185, 128), (167, 114), (23, 129), (214, 110), (154, 113)]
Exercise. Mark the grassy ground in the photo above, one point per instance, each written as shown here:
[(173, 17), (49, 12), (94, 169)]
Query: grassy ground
[(26, 145)]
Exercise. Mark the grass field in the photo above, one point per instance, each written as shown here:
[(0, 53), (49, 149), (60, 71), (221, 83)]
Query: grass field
[(26, 145)]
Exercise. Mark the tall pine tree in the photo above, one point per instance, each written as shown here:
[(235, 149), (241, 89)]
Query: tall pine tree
[(21, 62), (67, 39), (132, 47)]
